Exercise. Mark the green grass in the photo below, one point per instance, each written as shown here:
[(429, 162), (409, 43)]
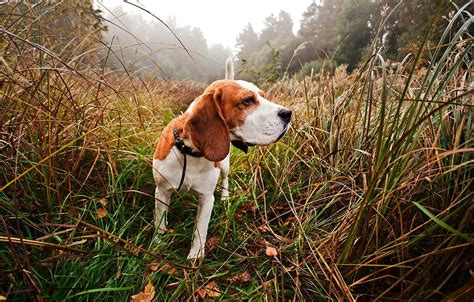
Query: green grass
[(368, 196)]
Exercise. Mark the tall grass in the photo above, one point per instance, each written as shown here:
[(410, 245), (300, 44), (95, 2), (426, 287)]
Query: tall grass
[(369, 195)]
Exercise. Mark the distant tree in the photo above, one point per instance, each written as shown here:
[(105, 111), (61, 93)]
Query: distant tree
[(276, 28), (405, 29), (329, 12), (309, 25), (354, 29), (272, 55), (318, 26), (215, 67), (149, 48), (269, 31), (247, 42), (69, 29), (284, 25)]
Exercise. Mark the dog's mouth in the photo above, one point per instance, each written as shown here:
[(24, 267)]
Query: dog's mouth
[(242, 145), (282, 133)]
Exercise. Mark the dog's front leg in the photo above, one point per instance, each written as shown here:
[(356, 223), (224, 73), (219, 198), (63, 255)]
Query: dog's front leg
[(206, 203), (162, 202), (225, 187)]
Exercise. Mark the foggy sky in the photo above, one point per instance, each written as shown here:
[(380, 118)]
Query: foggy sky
[(220, 21)]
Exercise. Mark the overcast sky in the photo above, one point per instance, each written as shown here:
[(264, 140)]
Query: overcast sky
[(220, 20)]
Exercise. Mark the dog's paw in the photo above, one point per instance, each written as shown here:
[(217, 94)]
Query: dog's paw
[(195, 254), (160, 231), (225, 195)]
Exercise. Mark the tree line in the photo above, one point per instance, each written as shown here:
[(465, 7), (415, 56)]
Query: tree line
[(335, 32), (331, 33), (148, 47)]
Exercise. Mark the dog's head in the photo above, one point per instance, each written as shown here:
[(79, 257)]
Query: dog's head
[(237, 112)]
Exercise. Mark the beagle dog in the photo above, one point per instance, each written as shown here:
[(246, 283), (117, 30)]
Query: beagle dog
[(193, 149)]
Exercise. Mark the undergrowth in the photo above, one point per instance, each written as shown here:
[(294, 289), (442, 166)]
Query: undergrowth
[(368, 196)]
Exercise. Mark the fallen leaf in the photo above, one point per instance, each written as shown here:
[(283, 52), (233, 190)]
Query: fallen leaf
[(212, 243), (167, 269), (210, 290), (101, 212), (73, 212), (153, 266), (173, 284), (263, 228), (242, 277), (271, 251), (287, 222), (146, 295), (213, 289), (201, 292), (3, 298), (103, 201)]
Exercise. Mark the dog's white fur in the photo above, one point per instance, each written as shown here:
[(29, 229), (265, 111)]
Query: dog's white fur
[(262, 126)]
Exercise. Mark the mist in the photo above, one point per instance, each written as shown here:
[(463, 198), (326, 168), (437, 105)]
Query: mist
[(161, 49)]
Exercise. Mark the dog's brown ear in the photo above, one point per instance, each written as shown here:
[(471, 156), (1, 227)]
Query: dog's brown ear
[(208, 129)]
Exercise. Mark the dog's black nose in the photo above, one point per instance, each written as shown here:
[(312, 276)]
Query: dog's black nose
[(285, 115)]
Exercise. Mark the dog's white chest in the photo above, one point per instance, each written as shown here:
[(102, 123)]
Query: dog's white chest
[(200, 174)]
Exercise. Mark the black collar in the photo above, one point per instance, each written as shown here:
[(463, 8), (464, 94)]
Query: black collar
[(182, 147)]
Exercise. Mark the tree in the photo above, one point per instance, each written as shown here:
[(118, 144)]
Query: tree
[(69, 29), (318, 27), (247, 42), (269, 31), (413, 21), (354, 31), (277, 28), (309, 26), (284, 25)]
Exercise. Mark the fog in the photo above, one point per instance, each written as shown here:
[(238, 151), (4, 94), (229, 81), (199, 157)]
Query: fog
[(208, 30), (308, 38)]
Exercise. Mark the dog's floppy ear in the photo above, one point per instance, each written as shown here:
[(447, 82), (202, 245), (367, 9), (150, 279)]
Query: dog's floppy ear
[(208, 129)]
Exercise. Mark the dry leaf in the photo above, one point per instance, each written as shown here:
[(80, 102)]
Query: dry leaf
[(210, 290), (146, 295), (173, 284), (73, 212), (167, 269), (242, 277), (290, 219), (104, 201), (271, 251), (3, 298), (212, 243), (201, 293), (101, 212), (263, 228), (213, 290), (153, 266)]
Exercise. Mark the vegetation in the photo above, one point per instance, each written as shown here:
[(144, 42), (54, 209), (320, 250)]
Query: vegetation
[(368, 196), (344, 31), (151, 49)]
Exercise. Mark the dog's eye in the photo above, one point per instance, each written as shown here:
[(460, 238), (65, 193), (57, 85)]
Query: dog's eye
[(248, 101)]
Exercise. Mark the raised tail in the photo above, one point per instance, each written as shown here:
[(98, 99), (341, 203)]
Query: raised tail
[(229, 69)]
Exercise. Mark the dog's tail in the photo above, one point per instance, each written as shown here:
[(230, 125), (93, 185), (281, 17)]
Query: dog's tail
[(229, 68)]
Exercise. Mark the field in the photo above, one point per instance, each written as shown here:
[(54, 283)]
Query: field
[(368, 196)]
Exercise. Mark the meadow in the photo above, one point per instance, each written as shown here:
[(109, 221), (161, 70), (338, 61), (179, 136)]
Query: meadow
[(367, 197)]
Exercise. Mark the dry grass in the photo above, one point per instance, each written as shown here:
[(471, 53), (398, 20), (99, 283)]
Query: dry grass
[(369, 196)]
